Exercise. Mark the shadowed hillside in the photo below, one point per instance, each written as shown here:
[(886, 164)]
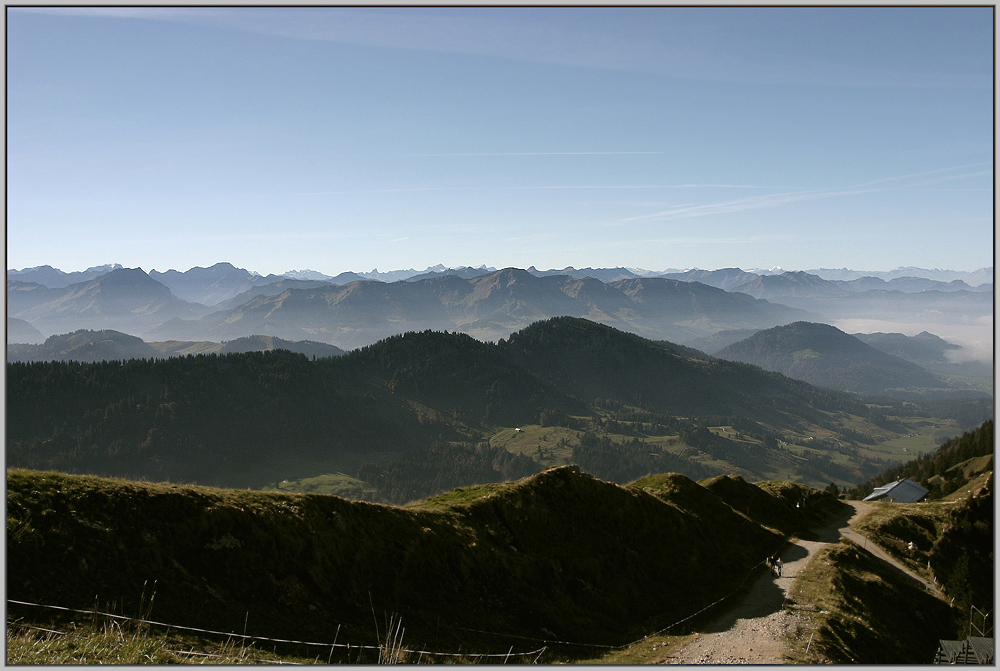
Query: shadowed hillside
[(559, 556), (784, 506), (864, 611), (84, 345), (454, 373), (208, 418)]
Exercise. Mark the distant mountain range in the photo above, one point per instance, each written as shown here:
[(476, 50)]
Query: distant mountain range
[(53, 277), (349, 310), (124, 299), (211, 286), (223, 281), (902, 298), (488, 306)]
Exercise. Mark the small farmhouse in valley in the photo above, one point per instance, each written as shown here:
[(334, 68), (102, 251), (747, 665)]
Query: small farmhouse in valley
[(900, 491)]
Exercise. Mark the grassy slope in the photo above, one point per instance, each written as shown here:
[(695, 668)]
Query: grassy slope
[(978, 478), (893, 526), (559, 555), (865, 611)]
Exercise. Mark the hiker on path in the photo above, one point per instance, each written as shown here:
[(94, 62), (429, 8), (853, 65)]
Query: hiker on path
[(778, 563), (770, 564)]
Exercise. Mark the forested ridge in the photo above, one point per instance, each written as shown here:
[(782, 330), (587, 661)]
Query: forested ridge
[(427, 403), (193, 418)]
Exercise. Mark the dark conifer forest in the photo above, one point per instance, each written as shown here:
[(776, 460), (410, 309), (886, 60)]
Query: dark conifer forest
[(412, 415)]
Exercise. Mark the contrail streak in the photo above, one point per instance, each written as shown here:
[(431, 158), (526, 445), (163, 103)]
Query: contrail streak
[(778, 199), (545, 153), (530, 188)]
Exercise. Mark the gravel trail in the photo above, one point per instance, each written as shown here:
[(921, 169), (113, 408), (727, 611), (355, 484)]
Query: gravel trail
[(753, 630)]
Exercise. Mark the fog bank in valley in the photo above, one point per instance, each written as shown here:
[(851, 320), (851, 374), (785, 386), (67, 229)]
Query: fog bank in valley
[(975, 338)]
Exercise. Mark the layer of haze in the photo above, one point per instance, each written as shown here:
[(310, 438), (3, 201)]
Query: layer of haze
[(357, 138), (975, 338)]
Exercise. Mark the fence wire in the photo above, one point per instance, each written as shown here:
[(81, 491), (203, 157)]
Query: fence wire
[(537, 653)]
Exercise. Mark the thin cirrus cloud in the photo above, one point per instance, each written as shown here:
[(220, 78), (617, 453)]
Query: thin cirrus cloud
[(736, 44), (417, 189), (541, 153), (779, 199), (940, 172), (511, 33)]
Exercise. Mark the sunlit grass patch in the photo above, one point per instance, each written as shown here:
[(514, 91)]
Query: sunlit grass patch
[(461, 496), (123, 643), (926, 435), (654, 649), (335, 484), (547, 445)]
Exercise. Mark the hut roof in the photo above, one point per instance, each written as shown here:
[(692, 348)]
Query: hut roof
[(903, 491), (983, 649), (973, 650), (949, 651)]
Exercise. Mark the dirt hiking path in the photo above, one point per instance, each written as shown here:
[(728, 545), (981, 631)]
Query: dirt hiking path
[(753, 631)]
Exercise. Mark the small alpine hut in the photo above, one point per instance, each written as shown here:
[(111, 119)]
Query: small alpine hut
[(900, 491), (973, 650)]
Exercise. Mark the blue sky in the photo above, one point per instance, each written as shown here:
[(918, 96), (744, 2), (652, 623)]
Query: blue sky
[(341, 139)]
